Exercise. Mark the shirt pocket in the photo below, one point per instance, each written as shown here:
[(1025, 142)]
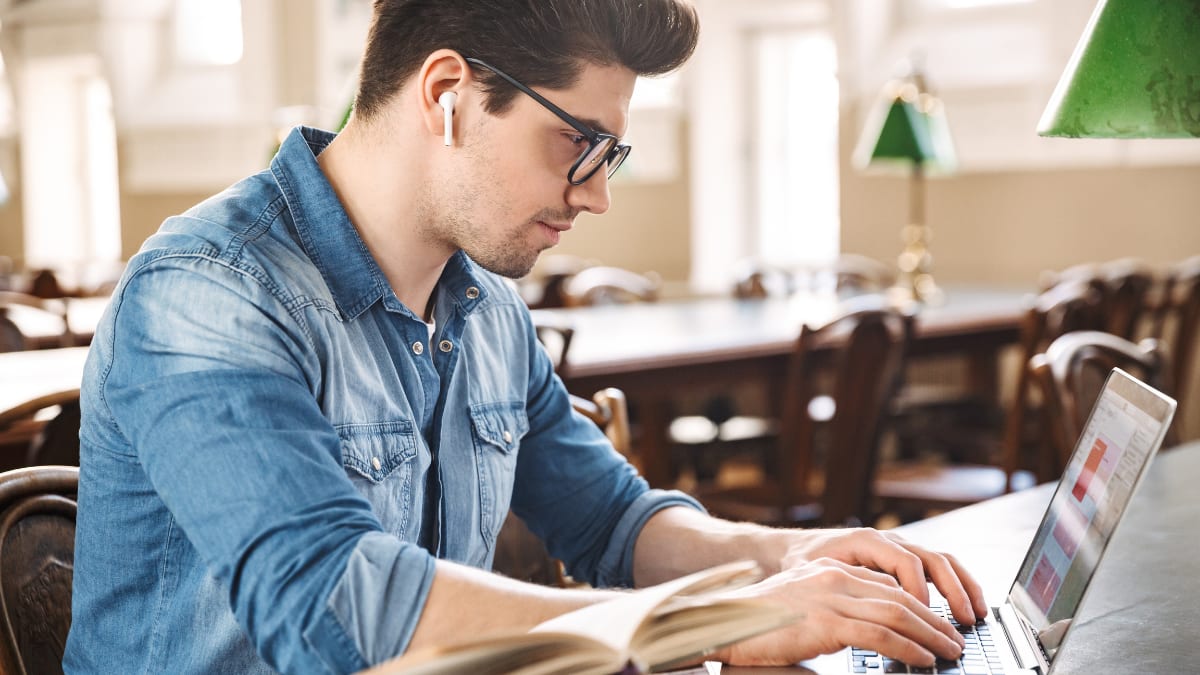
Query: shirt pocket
[(380, 459), (497, 429)]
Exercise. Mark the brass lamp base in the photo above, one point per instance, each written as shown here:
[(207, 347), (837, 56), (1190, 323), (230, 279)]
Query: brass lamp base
[(916, 282)]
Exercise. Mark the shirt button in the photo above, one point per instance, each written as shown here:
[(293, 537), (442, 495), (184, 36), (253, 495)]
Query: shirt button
[(507, 437), (418, 348), (445, 345), (472, 293), (375, 463)]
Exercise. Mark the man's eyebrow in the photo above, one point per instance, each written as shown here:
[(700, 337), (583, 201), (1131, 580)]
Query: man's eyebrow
[(596, 125)]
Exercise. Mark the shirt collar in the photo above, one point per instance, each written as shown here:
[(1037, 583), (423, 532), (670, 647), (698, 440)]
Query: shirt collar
[(331, 241)]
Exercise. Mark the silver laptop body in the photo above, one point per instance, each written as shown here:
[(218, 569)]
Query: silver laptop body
[(1124, 430)]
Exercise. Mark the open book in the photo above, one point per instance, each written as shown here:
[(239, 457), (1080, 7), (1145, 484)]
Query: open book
[(647, 630)]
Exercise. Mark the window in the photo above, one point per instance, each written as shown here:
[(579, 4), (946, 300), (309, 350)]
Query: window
[(208, 32), (795, 142)]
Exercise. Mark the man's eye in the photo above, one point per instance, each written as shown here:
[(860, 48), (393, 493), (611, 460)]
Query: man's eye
[(578, 139)]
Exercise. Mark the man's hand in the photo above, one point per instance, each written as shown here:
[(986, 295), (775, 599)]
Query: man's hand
[(839, 604), (909, 564)]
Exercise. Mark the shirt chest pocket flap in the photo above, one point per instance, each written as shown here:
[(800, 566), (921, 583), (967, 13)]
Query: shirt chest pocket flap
[(500, 426), (376, 451)]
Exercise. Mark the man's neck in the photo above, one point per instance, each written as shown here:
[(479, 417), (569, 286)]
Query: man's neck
[(380, 190)]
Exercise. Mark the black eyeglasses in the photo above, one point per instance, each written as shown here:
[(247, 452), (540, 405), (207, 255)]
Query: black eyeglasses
[(602, 150)]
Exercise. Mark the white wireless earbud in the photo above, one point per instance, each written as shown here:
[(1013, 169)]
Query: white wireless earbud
[(447, 101)]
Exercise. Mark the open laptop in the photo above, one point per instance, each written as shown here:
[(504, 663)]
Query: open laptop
[(1124, 430)]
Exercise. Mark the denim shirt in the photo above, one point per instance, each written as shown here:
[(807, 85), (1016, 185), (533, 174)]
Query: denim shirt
[(268, 433)]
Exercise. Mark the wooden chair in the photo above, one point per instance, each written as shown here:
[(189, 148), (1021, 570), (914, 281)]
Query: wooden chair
[(11, 337), (519, 552), (840, 376), (37, 560), (912, 487), (1125, 286), (848, 274), (550, 277), (1072, 371), (41, 430), (1177, 324), (555, 337), (610, 285)]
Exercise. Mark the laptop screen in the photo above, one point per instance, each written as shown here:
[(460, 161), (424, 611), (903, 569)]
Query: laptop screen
[(1125, 428)]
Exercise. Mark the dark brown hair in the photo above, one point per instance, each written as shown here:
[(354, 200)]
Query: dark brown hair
[(541, 43)]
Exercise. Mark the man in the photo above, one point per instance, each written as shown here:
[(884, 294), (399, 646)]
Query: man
[(313, 397)]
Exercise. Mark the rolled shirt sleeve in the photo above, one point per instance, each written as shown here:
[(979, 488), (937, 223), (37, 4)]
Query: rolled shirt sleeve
[(215, 395)]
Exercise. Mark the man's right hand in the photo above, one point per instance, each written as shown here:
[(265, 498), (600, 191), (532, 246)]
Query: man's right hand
[(838, 605)]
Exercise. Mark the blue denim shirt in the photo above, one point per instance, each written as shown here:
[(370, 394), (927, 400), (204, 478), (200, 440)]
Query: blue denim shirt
[(260, 418)]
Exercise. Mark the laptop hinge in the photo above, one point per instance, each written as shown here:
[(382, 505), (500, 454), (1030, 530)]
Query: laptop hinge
[(1020, 637)]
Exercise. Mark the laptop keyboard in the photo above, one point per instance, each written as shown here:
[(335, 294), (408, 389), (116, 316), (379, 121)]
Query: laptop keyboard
[(979, 656)]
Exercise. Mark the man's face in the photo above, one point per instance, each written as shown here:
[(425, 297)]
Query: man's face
[(507, 197)]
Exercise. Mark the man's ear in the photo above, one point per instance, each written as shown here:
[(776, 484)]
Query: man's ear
[(444, 72)]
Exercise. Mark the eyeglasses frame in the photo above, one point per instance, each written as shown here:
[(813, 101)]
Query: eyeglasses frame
[(595, 138)]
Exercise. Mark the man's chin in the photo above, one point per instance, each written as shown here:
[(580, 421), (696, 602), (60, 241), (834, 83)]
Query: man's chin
[(510, 269)]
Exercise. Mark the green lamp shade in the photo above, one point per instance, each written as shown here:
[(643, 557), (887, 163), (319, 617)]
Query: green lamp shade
[(900, 133), (1135, 74)]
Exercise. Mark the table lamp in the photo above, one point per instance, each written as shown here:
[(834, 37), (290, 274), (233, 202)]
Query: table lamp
[(1135, 74), (907, 129)]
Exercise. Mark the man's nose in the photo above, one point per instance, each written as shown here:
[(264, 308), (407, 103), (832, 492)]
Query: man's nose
[(592, 196)]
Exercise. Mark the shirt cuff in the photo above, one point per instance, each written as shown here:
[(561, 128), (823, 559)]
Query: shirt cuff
[(375, 607), (616, 567)]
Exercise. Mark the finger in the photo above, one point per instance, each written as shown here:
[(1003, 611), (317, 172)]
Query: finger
[(963, 593), (877, 638), (891, 554), (899, 610), (972, 587)]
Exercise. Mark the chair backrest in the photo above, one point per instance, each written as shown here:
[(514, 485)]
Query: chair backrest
[(610, 285), (550, 276), (1065, 307), (519, 552), (555, 337), (58, 441), (37, 560), (849, 273), (857, 359), (11, 337), (1125, 286), (852, 273), (1178, 322), (1072, 371), (25, 431)]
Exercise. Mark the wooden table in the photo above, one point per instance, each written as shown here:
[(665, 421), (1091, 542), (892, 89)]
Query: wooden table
[(1138, 615), (654, 351)]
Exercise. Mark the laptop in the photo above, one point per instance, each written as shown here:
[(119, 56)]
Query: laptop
[(1124, 430)]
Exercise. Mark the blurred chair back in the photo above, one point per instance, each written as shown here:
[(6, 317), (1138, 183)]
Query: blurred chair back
[(1073, 369), (1125, 286), (37, 562), (11, 337), (520, 554), (555, 337), (43, 430), (610, 285), (550, 277), (1067, 306), (840, 378), (850, 274), (1178, 324)]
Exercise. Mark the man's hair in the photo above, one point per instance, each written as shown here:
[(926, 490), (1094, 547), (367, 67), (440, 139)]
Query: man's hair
[(541, 43)]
